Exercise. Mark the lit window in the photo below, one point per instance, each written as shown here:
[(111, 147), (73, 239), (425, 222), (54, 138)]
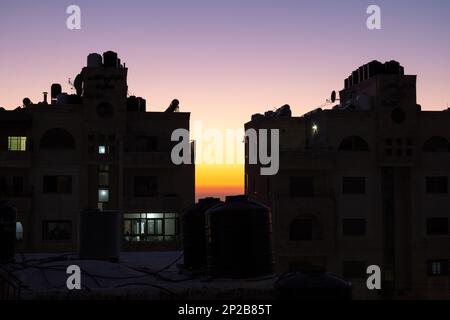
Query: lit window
[(101, 149), (103, 195), (19, 231), (151, 227), (315, 128), (17, 143)]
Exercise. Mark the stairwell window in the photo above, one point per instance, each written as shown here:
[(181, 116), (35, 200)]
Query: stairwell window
[(16, 143)]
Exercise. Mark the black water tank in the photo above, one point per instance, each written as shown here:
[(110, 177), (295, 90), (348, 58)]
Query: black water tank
[(194, 233), (110, 59), (239, 239), (312, 285), (142, 104), (132, 103), (375, 68), (8, 217), (100, 235), (355, 76), (55, 91), (392, 67)]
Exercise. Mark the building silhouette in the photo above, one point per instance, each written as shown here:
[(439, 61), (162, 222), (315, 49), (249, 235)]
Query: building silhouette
[(98, 148), (364, 183)]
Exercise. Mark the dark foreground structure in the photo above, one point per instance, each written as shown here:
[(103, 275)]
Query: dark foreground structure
[(364, 183)]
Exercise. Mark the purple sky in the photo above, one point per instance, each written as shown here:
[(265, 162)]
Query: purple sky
[(224, 60)]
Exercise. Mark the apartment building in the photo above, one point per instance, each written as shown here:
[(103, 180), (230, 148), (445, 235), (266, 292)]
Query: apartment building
[(363, 183), (96, 148)]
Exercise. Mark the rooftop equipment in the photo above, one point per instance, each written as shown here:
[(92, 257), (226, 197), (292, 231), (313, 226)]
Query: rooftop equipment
[(100, 235), (194, 234), (239, 239)]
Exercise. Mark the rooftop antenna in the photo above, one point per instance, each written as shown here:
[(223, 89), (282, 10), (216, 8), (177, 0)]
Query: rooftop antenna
[(72, 86)]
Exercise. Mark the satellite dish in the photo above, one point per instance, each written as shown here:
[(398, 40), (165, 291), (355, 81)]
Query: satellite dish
[(333, 96)]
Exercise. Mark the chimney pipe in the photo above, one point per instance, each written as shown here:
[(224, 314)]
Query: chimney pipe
[(45, 97)]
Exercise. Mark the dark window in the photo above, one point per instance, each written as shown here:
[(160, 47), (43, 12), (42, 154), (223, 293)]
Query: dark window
[(18, 186), (389, 152), (409, 152), (353, 185), (145, 186), (103, 179), (354, 227), (437, 185), (302, 186), (57, 230), (398, 115), (436, 144), (389, 141), (354, 269), (437, 226), (146, 144), (354, 143), (57, 139), (301, 230), (437, 268), (305, 229), (57, 184)]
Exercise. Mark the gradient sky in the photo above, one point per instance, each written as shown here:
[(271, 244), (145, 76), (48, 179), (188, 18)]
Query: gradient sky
[(224, 60)]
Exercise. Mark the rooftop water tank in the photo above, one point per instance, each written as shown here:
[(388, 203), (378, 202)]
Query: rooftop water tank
[(110, 59), (94, 60), (142, 104), (194, 233), (8, 216), (100, 235), (392, 67), (312, 285), (375, 68), (55, 91), (239, 239), (62, 98)]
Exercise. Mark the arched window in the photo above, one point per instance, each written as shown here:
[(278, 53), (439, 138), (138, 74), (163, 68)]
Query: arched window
[(354, 143), (57, 139), (305, 228), (436, 144)]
